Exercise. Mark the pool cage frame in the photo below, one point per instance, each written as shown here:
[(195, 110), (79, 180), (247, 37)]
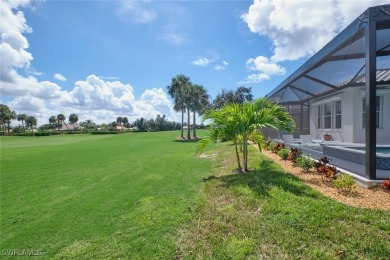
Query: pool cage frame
[(365, 40)]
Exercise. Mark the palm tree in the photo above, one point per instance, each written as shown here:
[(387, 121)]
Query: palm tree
[(73, 118), (53, 121), (188, 92), (61, 120), (125, 121), (4, 111), (31, 121), (175, 90), (238, 121), (199, 103), (22, 117)]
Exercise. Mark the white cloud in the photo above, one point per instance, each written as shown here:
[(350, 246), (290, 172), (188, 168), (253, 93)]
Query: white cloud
[(59, 77), (255, 78), (265, 68), (300, 28), (202, 62), (136, 11), (225, 62), (173, 34), (93, 98), (264, 65), (218, 67)]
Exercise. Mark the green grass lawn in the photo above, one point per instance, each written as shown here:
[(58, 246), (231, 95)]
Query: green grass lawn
[(108, 196), (145, 196), (270, 214)]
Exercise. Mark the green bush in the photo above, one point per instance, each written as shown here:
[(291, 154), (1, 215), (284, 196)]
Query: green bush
[(271, 146), (104, 132), (344, 183), (283, 153), (305, 162)]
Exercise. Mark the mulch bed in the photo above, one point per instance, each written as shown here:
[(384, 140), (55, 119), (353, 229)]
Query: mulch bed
[(375, 198)]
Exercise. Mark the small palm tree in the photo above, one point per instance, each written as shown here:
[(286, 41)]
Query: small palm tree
[(238, 121)]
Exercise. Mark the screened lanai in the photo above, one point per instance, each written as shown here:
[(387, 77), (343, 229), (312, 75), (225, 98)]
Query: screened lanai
[(353, 68)]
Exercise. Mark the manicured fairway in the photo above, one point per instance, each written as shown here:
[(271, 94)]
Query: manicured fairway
[(108, 196)]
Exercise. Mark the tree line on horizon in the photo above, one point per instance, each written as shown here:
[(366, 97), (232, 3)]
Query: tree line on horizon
[(187, 97)]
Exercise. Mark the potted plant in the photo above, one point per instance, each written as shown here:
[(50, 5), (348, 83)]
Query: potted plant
[(327, 137)]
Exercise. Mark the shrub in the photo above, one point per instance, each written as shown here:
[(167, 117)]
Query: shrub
[(278, 147), (386, 185), (103, 132), (321, 164), (344, 183), (295, 153), (329, 172), (283, 153), (305, 162), (271, 146)]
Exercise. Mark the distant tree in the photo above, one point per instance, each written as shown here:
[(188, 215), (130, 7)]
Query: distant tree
[(6, 117), (125, 122), (60, 120), (53, 121), (176, 91), (88, 125), (73, 118), (45, 127), (22, 117), (31, 122), (140, 124), (240, 95), (119, 120)]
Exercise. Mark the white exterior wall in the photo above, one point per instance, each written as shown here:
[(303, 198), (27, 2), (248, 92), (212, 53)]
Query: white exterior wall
[(352, 127)]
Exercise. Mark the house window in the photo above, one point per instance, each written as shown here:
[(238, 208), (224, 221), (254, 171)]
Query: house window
[(378, 111), (319, 117), (329, 115), (337, 113)]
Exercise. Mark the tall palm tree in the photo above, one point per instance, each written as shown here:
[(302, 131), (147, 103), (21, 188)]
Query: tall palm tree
[(53, 121), (31, 121), (234, 121), (175, 90), (73, 118), (22, 117), (61, 120), (188, 92), (199, 103), (125, 121)]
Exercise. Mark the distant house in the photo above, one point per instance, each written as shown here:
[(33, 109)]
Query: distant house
[(70, 127), (120, 128)]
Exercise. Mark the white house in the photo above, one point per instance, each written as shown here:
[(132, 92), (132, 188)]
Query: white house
[(344, 91), (342, 113)]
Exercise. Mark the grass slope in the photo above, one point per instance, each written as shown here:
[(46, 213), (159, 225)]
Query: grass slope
[(103, 197), (270, 214)]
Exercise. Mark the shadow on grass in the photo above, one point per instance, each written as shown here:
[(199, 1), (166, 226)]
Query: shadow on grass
[(268, 176), (184, 140)]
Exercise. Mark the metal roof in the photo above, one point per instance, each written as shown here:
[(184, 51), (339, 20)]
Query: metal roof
[(340, 63)]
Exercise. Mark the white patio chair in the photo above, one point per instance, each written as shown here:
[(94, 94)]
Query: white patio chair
[(306, 140), (288, 139)]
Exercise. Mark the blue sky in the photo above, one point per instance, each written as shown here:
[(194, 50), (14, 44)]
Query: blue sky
[(104, 59)]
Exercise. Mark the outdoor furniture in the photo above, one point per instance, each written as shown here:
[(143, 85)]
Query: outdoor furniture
[(288, 139), (306, 140)]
